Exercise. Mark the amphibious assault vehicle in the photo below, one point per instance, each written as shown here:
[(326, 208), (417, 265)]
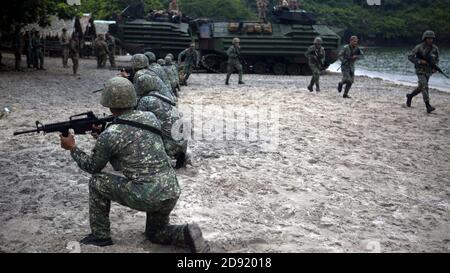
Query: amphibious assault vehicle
[(276, 46)]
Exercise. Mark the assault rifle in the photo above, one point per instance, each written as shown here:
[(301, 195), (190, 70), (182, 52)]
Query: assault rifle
[(318, 61), (347, 60), (432, 64), (80, 124)]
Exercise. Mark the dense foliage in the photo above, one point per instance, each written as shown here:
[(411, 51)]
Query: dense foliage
[(392, 21)]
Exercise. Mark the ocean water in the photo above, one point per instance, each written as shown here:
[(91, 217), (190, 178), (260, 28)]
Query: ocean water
[(392, 64)]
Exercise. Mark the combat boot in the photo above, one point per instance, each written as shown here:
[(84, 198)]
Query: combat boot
[(194, 239), (310, 88), (241, 82), (317, 87), (429, 107), (340, 87), (92, 240), (347, 89), (409, 97)]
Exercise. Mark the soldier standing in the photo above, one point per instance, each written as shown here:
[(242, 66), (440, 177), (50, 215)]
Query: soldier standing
[(28, 48), (164, 109), (316, 59), (101, 51), (234, 54), (111, 42), (74, 52), (262, 9), (191, 59), (64, 42), (424, 56), (38, 55), (348, 56), (17, 48), (134, 147)]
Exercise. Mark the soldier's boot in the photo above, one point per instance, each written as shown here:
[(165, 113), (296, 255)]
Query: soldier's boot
[(409, 97), (92, 240), (317, 87), (340, 87), (241, 82), (227, 81), (182, 160), (347, 89), (194, 239), (429, 107), (310, 86)]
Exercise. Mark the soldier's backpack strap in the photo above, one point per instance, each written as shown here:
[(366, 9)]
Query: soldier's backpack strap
[(138, 125), (163, 98)]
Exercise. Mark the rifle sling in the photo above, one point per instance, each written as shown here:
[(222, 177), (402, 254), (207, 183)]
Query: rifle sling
[(138, 125), (164, 99)]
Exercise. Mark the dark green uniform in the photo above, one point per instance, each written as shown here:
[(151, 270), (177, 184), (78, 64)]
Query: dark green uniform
[(348, 65), (424, 71), (38, 55), (233, 54), (148, 183), (316, 59), (191, 59)]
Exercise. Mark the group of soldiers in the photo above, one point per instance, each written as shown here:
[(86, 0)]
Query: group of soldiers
[(147, 134), (104, 48), (425, 57), (29, 43), (141, 143)]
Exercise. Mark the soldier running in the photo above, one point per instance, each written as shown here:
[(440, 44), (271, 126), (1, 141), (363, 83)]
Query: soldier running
[(348, 56), (234, 54), (316, 59)]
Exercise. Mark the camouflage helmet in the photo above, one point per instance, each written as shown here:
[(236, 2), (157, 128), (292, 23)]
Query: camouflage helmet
[(150, 56), (119, 93), (236, 40), (168, 59), (170, 55), (428, 34), (139, 61), (161, 62), (145, 84), (318, 40)]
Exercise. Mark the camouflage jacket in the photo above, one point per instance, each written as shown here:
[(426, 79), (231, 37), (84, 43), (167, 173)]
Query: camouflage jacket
[(191, 57), (315, 55), (163, 89), (101, 48), (233, 53), (422, 51), (137, 153), (346, 54), (167, 114), (170, 73), (64, 40), (159, 70)]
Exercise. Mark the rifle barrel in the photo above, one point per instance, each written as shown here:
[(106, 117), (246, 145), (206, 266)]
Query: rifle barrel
[(26, 132)]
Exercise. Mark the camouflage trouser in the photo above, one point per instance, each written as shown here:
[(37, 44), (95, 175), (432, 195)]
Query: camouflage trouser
[(101, 60), (65, 55), (348, 75), (315, 74), (187, 70), (423, 87), (234, 64), (104, 188), (112, 59), (75, 64), (38, 58)]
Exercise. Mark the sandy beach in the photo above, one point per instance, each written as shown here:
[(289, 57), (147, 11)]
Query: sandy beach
[(312, 172)]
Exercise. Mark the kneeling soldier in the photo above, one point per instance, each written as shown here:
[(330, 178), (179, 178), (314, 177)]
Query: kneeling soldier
[(133, 146)]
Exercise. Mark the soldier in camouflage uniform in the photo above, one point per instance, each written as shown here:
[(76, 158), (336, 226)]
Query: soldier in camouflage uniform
[(38, 55), (262, 9), (152, 101), (157, 68), (191, 60), (316, 59), (74, 52), (101, 51), (348, 56), (133, 146), (139, 63), (233, 54), (172, 71), (111, 43), (64, 42), (424, 56)]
